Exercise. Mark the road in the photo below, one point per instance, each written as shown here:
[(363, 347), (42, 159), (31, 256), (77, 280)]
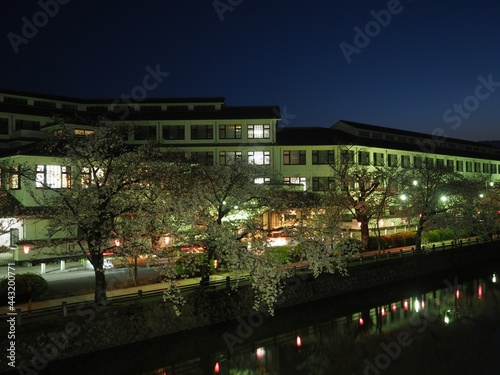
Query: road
[(66, 283)]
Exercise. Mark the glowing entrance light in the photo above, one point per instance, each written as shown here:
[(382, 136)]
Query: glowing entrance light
[(298, 341), (494, 278), (217, 367), (260, 352), (26, 249)]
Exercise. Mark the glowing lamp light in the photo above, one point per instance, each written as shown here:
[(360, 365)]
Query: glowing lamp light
[(361, 321), (480, 291), (457, 293), (423, 305), (298, 341), (26, 249), (416, 304), (494, 278), (260, 352), (383, 312), (168, 240), (394, 307), (118, 243), (359, 224), (405, 305), (217, 367), (446, 319)]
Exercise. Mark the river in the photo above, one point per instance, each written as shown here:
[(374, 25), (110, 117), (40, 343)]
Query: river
[(445, 324)]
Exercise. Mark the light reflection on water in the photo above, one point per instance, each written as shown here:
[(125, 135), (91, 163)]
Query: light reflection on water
[(370, 341), (445, 324)]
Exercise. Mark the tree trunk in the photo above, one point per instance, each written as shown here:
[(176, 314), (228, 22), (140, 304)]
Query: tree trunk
[(136, 274), (97, 261), (418, 235), (205, 267), (365, 231)]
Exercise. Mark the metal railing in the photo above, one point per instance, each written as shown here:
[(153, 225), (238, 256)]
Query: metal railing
[(66, 309)]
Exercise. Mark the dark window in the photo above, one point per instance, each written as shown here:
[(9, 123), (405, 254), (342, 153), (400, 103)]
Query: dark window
[(378, 158), (173, 132), (323, 157), (203, 157), (4, 126), (449, 164), (177, 108), (142, 133), (12, 100), (27, 125), (42, 103), (405, 161), (392, 160), (204, 107), (14, 237), (347, 156), (417, 161), (227, 157), (202, 132), (363, 158), (150, 108), (230, 131), (460, 166), (322, 183), (72, 107), (295, 157), (97, 108), (468, 166)]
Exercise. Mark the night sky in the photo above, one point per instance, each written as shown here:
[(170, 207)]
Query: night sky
[(421, 65)]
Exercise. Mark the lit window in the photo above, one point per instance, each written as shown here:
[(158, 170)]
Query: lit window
[(259, 157), (15, 178), (230, 131), (83, 132), (262, 180), (53, 176), (296, 181), (258, 131), (91, 176)]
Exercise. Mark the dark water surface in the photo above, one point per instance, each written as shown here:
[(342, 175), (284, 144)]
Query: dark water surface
[(444, 324)]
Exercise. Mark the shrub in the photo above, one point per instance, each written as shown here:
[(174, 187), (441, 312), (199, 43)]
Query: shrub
[(279, 254), (39, 287), (189, 265), (393, 240), (349, 246)]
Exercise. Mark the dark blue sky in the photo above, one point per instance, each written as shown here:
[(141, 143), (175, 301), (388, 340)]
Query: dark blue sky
[(417, 72)]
